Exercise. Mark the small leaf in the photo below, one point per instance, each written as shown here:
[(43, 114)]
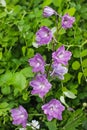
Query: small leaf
[(27, 72), (62, 99), (84, 63), (69, 94), (76, 65), (79, 77), (84, 53)]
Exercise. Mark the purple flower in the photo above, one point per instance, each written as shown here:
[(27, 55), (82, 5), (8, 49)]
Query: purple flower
[(67, 21), (59, 70), (53, 109), (40, 85), (47, 11), (19, 116), (61, 56), (37, 62), (44, 35)]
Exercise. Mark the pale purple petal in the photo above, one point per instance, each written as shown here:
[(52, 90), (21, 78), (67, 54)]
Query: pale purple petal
[(38, 63), (44, 35), (40, 85), (61, 56), (19, 116), (53, 109), (67, 21)]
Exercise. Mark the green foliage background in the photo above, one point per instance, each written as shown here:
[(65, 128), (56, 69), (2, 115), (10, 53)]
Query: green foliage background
[(19, 21)]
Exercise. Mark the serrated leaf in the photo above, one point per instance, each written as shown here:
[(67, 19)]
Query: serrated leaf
[(69, 94)]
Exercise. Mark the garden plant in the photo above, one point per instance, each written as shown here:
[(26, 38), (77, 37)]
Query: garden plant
[(43, 65)]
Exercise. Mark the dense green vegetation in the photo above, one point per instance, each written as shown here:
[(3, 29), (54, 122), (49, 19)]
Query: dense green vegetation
[(19, 22)]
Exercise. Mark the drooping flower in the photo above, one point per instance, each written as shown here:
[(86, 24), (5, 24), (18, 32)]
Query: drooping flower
[(44, 35), (48, 11), (61, 56), (40, 85), (59, 70), (53, 109), (19, 116), (67, 21), (37, 62), (34, 125)]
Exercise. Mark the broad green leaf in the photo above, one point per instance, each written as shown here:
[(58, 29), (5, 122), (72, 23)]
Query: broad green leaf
[(69, 94), (47, 2), (71, 11), (75, 65), (67, 77), (84, 63), (19, 81), (76, 52), (79, 77), (27, 72), (3, 105), (52, 125), (6, 79), (57, 2), (5, 90), (84, 53)]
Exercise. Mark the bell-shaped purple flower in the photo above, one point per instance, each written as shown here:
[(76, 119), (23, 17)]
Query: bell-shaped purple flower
[(19, 116), (48, 11), (53, 109), (61, 56), (43, 36), (67, 21), (37, 62), (59, 70), (40, 85)]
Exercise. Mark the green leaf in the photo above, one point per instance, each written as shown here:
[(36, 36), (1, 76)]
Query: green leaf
[(75, 120), (30, 52), (47, 2), (85, 71), (69, 94), (84, 53), (52, 125), (76, 65), (71, 11), (84, 63), (27, 72), (62, 99), (79, 77), (3, 105), (19, 81), (5, 90), (57, 2), (6, 79)]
